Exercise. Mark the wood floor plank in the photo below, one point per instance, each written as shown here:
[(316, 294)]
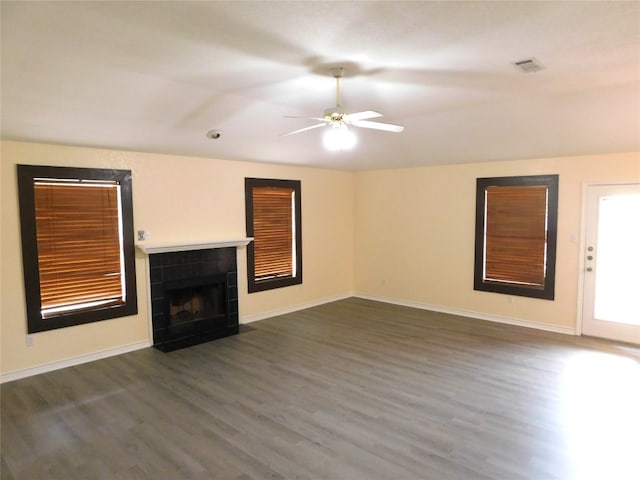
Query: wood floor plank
[(350, 390)]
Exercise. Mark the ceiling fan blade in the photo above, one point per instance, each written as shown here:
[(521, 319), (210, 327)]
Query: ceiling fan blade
[(304, 129), (387, 127), (321, 119), (353, 117)]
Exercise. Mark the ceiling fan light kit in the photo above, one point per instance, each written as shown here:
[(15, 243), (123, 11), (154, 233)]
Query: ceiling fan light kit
[(339, 137)]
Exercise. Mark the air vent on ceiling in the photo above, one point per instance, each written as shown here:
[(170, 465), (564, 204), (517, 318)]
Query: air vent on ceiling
[(529, 65)]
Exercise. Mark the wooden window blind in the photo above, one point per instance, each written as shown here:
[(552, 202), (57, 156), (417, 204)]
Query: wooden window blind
[(516, 234), (273, 232), (516, 230), (79, 245), (78, 255), (273, 209)]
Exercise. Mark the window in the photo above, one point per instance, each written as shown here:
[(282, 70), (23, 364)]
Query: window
[(516, 226), (274, 258), (77, 245)]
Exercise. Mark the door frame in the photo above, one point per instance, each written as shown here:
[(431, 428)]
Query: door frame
[(583, 243)]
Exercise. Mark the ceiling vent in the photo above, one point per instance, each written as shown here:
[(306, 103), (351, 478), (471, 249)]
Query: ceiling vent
[(528, 65)]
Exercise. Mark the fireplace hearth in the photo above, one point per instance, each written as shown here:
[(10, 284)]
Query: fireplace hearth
[(194, 297)]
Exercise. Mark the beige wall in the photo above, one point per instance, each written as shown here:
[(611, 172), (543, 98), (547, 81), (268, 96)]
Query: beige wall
[(414, 234), (406, 235), (176, 199)]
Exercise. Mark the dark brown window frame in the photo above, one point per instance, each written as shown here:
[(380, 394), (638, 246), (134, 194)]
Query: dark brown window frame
[(26, 196), (546, 291), (268, 284)]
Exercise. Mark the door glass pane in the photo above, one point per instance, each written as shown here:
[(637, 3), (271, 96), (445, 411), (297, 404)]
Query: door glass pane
[(617, 297)]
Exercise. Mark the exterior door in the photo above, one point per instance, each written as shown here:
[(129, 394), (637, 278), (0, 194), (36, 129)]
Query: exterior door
[(611, 297)]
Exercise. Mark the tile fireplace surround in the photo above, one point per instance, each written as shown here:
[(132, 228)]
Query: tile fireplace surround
[(193, 291)]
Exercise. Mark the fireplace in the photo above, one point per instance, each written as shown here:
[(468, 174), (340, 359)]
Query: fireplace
[(194, 296)]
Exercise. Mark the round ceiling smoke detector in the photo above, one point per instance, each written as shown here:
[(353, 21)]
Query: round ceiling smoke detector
[(214, 134)]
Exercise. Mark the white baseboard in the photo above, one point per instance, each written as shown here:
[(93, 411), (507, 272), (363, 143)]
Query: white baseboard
[(466, 313), (90, 357), (294, 308), (110, 352), (70, 362)]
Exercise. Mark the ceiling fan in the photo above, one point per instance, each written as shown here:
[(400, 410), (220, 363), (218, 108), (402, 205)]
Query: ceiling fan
[(338, 118)]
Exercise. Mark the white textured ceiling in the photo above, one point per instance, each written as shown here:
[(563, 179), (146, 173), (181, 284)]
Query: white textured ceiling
[(156, 76)]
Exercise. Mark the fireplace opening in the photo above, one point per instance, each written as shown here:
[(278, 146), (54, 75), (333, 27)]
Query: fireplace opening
[(192, 304)]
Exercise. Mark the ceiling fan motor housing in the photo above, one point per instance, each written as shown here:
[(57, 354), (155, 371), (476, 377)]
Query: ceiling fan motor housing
[(335, 114)]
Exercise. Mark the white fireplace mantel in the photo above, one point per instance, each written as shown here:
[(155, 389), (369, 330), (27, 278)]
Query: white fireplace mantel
[(150, 248)]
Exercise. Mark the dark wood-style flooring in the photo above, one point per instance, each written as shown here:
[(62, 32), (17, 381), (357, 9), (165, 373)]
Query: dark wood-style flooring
[(349, 390)]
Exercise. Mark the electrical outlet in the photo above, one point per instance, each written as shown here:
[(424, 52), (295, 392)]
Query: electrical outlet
[(30, 341), (144, 235)]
